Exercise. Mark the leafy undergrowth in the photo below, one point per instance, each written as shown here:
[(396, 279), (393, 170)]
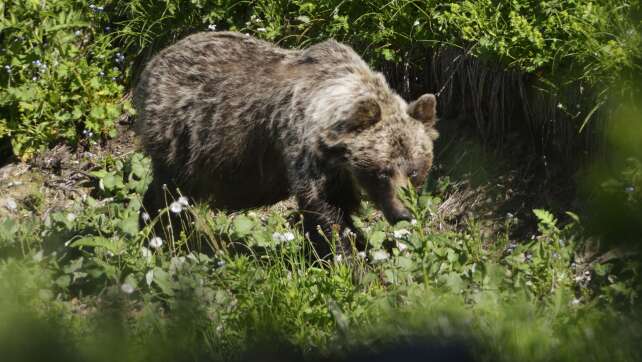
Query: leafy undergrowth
[(84, 283)]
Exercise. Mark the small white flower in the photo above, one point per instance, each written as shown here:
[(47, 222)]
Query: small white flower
[(145, 216), (176, 207), (347, 233), (146, 253), (361, 255), (283, 237), (338, 258), (11, 204), (149, 277), (71, 217), (127, 288), (575, 301), (560, 105), (629, 189), (401, 246), (212, 27), (261, 30), (413, 222), (183, 201), (416, 23), (77, 32), (155, 242), (380, 255), (220, 263), (398, 234), (39, 255)]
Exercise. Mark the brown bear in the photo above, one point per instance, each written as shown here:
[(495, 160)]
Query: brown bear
[(240, 123)]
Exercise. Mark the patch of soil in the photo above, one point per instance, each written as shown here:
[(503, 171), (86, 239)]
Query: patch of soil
[(55, 178)]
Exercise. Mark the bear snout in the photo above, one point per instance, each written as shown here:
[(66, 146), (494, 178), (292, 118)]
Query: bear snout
[(399, 215)]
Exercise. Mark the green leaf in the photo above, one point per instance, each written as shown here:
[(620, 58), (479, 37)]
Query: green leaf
[(129, 225), (63, 281), (115, 246), (243, 225), (545, 217), (163, 280), (377, 238)]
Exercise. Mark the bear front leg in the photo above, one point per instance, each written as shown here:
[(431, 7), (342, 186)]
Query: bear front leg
[(322, 218), (320, 221)]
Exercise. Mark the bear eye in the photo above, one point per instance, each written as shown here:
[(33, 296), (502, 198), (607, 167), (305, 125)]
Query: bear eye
[(384, 175)]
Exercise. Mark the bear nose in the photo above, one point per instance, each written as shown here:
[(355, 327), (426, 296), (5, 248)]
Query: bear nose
[(400, 215)]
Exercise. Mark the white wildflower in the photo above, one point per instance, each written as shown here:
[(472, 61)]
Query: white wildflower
[(146, 253), (261, 30), (39, 255), (401, 246), (220, 263), (183, 201), (149, 277), (338, 258), (71, 217), (127, 288), (629, 189), (145, 216), (398, 234), (155, 242), (176, 207), (413, 222), (361, 255), (560, 105), (416, 23), (283, 237), (11, 204), (212, 27), (347, 233), (380, 255), (575, 301)]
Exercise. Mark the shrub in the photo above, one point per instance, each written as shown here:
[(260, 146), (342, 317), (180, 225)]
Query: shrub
[(60, 79)]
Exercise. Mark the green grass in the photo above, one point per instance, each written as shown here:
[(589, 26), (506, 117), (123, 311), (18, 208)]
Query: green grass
[(86, 282)]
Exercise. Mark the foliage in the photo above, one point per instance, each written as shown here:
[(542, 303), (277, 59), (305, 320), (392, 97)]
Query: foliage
[(252, 284), (594, 40), (60, 79)]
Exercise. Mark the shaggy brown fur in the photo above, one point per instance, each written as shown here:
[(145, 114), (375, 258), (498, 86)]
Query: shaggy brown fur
[(240, 123)]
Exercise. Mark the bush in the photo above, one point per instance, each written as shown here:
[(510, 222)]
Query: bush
[(60, 79)]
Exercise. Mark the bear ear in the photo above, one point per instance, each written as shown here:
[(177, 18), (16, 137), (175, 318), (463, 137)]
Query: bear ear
[(365, 112), (424, 109)]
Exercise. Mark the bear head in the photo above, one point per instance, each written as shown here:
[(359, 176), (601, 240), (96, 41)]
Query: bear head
[(384, 144)]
